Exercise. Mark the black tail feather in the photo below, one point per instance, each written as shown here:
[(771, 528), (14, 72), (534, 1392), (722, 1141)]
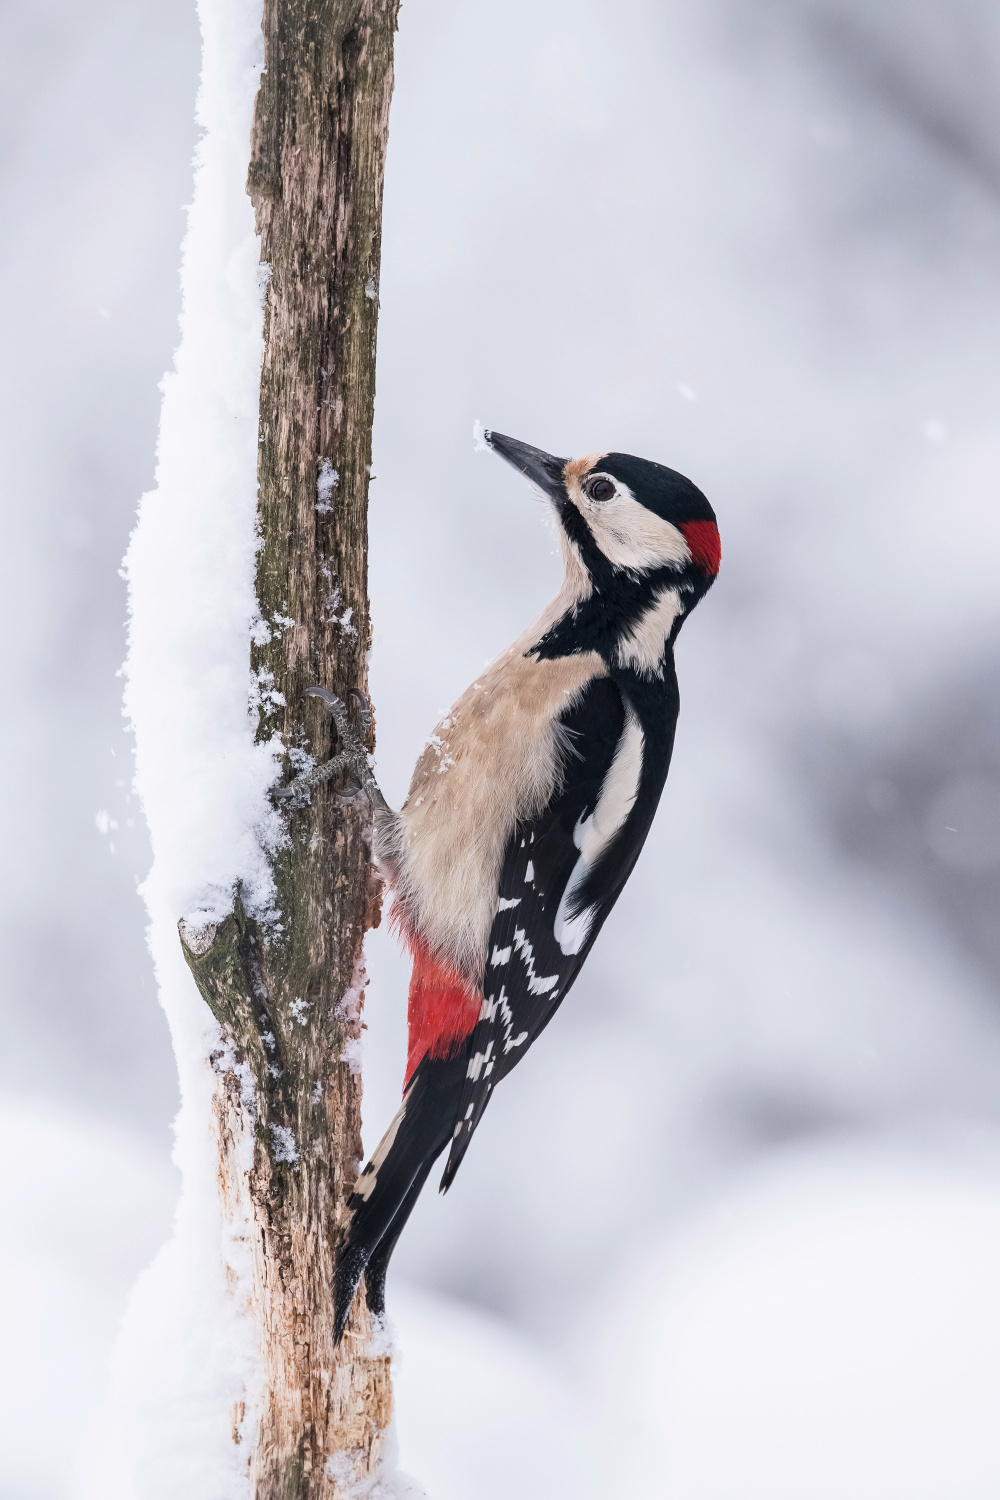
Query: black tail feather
[(378, 1263), (388, 1188)]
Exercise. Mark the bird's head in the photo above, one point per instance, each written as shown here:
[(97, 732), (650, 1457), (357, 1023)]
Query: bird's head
[(624, 517)]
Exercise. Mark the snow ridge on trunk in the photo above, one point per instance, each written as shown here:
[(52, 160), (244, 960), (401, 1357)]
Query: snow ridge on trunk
[(186, 1378)]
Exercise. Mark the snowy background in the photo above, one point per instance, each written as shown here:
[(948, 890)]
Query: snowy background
[(732, 1231)]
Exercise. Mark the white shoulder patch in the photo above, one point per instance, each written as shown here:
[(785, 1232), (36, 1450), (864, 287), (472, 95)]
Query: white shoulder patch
[(643, 647), (592, 835)]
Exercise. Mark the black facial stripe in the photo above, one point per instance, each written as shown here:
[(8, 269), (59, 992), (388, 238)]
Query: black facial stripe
[(580, 534), (617, 604), (607, 579)]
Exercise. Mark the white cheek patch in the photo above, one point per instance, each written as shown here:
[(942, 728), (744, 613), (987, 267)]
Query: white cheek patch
[(592, 835), (629, 534)]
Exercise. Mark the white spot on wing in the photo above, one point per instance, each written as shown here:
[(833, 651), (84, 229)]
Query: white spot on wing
[(535, 985), (477, 1063), (500, 956), (482, 1063)]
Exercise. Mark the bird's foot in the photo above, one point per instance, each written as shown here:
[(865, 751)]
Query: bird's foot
[(352, 756)]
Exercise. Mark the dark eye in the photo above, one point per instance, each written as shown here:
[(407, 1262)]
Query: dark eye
[(600, 488)]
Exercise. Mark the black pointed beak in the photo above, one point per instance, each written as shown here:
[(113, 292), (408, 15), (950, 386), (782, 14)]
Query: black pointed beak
[(541, 468)]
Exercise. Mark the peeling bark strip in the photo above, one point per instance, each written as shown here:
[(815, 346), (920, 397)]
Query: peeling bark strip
[(288, 1000)]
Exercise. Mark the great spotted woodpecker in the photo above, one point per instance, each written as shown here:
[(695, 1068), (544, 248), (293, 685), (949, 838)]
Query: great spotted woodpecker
[(525, 816)]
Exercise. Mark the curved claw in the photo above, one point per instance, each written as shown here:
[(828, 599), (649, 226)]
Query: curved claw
[(334, 706), (328, 699), (338, 708), (364, 707), (353, 757)]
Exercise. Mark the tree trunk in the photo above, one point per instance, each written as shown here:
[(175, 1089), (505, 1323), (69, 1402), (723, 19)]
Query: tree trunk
[(289, 997)]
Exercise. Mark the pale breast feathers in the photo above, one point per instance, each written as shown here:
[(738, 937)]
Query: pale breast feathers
[(494, 760)]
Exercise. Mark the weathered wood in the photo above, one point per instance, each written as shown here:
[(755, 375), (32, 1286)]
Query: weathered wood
[(288, 997)]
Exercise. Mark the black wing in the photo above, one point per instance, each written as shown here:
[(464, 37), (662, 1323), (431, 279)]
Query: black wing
[(552, 903)]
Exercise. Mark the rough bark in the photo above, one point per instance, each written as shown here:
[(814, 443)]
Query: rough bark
[(288, 997)]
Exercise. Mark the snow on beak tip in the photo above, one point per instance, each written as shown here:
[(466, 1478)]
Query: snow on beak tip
[(541, 468)]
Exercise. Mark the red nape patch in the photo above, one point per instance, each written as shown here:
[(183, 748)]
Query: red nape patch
[(441, 1011), (702, 538)]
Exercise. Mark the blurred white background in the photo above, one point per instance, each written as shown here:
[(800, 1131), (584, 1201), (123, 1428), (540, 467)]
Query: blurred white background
[(732, 1232)]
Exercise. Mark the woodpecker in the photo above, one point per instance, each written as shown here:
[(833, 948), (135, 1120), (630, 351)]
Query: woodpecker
[(525, 816)]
